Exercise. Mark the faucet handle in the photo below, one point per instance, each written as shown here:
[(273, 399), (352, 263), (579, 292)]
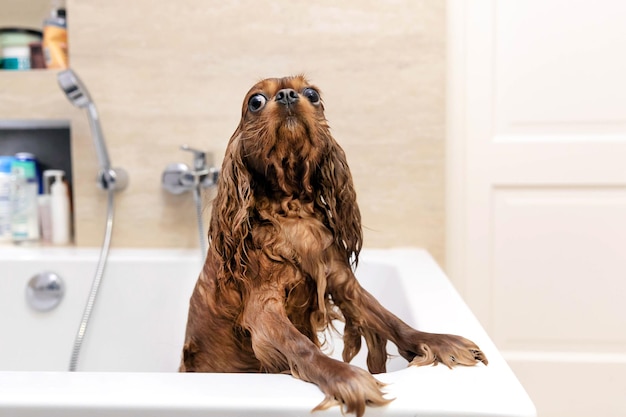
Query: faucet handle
[(199, 157)]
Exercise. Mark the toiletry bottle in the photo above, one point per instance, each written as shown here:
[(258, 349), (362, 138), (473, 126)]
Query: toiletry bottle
[(5, 198), (59, 208), (14, 47), (16, 58), (45, 216), (55, 36), (29, 157), (24, 191)]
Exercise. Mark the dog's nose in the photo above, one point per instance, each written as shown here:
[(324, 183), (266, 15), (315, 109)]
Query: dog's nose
[(287, 96)]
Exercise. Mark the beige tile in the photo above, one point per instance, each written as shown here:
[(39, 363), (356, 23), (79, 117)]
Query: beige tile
[(175, 72)]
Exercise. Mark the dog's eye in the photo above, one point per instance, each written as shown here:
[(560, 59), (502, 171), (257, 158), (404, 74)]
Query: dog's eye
[(312, 95), (256, 102)]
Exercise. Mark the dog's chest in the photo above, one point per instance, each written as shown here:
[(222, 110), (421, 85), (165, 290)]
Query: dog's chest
[(307, 237), (294, 234)]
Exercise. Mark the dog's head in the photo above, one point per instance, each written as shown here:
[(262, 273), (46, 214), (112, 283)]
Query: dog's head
[(282, 150), (283, 133)]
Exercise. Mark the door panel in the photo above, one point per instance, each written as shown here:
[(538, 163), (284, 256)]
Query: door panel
[(537, 190), (556, 69), (556, 269)]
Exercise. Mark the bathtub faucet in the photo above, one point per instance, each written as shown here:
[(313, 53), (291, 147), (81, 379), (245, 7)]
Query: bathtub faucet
[(108, 178), (178, 177)]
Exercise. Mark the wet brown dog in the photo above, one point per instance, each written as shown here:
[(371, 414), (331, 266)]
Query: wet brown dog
[(284, 235)]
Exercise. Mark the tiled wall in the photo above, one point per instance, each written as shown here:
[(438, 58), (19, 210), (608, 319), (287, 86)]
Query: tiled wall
[(168, 73)]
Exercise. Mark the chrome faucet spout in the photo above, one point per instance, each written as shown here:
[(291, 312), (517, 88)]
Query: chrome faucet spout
[(199, 157)]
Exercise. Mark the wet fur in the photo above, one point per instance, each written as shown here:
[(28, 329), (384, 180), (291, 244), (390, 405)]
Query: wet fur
[(285, 234)]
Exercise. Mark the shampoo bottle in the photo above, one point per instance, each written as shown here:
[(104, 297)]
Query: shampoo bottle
[(59, 208)]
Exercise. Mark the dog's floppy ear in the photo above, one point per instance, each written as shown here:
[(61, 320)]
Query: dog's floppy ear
[(338, 197), (230, 223)]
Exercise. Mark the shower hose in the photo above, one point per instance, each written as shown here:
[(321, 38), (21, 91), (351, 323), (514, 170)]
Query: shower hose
[(95, 285), (104, 254), (197, 197)]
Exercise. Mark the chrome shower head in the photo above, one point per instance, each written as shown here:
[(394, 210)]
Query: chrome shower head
[(74, 88), (77, 94)]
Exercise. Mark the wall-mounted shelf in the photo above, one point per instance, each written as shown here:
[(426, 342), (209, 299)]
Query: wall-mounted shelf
[(32, 94), (36, 117), (48, 140), (33, 124)]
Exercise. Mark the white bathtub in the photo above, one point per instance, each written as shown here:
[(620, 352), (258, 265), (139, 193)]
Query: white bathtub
[(132, 349)]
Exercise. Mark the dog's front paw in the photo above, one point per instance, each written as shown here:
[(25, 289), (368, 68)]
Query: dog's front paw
[(451, 350), (352, 389)]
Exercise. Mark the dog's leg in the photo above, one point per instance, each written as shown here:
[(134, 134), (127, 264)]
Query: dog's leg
[(365, 314), (280, 347)]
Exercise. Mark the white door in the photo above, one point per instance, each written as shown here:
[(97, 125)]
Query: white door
[(537, 191)]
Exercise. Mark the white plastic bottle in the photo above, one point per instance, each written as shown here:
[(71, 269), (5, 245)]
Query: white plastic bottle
[(59, 208), (45, 218), (5, 198)]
